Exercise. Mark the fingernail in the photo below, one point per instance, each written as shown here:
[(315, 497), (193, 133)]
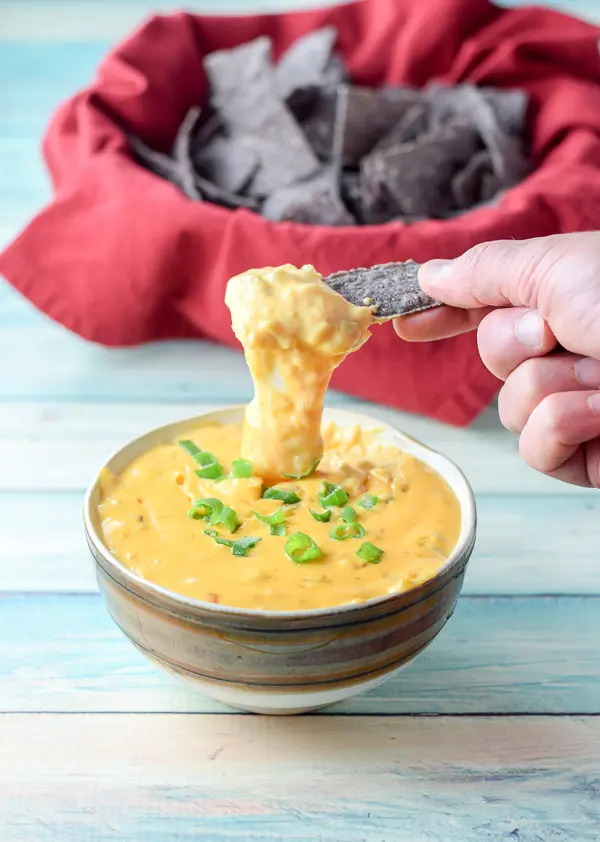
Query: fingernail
[(436, 271), (594, 403), (529, 330), (587, 371)]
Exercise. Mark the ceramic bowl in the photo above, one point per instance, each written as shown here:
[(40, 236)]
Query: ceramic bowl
[(281, 662)]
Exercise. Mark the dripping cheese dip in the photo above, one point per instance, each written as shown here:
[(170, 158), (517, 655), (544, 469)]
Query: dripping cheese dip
[(282, 512)]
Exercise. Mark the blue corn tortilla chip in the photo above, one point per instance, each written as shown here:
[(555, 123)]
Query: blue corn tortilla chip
[(508, 161), (494, 114), (407, 130), (392, 289), (312, 202), (166, 166), (297, 140), (317, 121), (309, 63), (414, 178), (182, 154), (244, 92), (229, 162), (467, 183), (364, 115)]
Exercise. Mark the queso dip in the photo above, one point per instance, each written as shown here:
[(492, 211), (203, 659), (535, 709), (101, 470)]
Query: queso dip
[(282, 513)]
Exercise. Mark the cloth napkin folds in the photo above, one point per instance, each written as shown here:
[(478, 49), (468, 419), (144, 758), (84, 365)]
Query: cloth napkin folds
[(122, 257)]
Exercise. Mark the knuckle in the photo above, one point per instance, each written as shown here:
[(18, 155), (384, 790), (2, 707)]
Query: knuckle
[(511, 415), (524, 268), (476, 261), (554, 419), (520, 395), (593, 462)]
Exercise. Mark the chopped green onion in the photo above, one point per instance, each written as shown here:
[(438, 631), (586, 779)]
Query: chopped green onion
[(206, 509), (368, 501), (274, 519), (370, 553), (339, 532), (280, 494), (227, 516), (212, 533), (322, 517), (241, 468), (279, 529), (332, 495), (190, 447), (312, 468), (301, 548), (242, 545), (347, 530), (348, 514), (210, 468)]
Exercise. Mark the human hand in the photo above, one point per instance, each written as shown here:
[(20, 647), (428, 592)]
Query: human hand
[(524, 298)]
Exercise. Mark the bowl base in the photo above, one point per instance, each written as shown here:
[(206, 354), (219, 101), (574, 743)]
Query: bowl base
[(275, 702)]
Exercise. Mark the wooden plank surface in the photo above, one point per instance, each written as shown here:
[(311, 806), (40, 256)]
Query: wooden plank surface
[(496, 655), (308, 779)]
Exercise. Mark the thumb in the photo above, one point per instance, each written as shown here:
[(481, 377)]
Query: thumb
[(559, 276)]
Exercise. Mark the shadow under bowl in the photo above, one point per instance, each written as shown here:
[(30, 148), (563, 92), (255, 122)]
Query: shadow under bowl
[(281, 662)]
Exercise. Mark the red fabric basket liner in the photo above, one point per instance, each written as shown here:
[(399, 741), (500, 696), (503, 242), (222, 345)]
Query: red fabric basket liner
[(121, 257)]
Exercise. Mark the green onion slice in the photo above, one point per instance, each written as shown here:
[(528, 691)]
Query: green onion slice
[(274, 519), (190, 447), (322, 517), (301, 548), (288, 497), (212, 533), (241, 468), (347, 530), (368, 501), (209, 466), (242, 545), (370, 553), (348, 514), (339, 532), (279, 529), (227, 516), (206, 508), (332, 495), (311, 470)]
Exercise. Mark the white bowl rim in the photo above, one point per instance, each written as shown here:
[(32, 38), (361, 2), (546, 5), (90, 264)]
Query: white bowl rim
[(433, 458)]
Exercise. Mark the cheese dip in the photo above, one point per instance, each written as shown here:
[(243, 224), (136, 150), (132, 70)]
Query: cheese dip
[(295, 331), (372, 520), (278, 513)]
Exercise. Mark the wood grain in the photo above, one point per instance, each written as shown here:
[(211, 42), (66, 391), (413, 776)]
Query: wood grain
[(311, 779), (496, 655)]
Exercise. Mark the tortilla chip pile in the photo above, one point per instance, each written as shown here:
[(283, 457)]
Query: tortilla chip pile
[(297, 141)]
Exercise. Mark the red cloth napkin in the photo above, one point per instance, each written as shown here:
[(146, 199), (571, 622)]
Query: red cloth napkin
[(120, 256)]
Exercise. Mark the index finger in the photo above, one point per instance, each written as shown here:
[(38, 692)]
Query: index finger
[(511, 272)]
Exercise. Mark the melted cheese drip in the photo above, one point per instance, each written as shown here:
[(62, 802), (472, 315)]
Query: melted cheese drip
[(295, 332), (416, 522)]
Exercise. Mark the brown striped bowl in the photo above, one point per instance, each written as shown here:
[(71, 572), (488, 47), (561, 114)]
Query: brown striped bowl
[(281, 662)]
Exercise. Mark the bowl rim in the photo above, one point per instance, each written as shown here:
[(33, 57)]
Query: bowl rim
[(462, 488)]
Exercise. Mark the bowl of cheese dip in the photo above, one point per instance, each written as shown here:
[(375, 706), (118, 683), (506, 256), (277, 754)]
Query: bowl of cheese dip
[(279, 556)]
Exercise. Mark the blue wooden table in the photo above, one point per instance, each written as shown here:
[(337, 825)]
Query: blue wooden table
[(492, 734)]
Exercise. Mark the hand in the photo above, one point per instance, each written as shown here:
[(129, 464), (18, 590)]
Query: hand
[(524, 298)]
